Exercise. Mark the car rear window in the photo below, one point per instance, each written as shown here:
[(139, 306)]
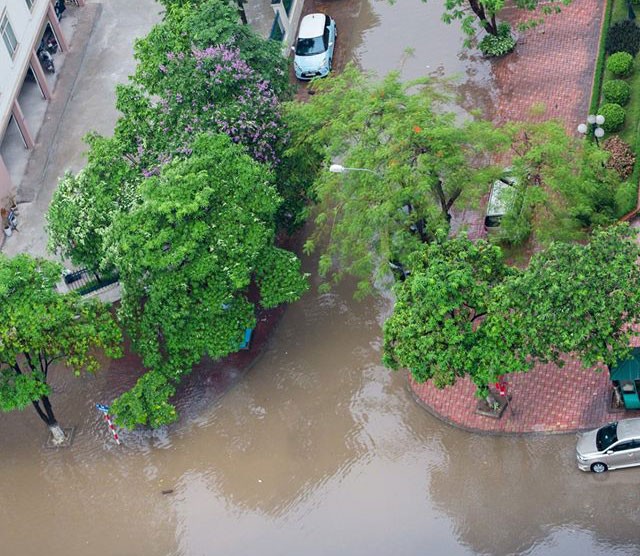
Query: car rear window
[(606, 436)]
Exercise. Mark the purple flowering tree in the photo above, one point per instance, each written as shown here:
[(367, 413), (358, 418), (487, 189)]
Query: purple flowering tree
[(209, 90)]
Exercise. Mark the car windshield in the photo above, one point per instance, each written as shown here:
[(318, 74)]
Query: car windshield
[(310, 47), (606, 436)]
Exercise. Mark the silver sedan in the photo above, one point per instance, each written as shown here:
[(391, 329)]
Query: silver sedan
[(613, 446)]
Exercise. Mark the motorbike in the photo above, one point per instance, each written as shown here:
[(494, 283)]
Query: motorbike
[(46, 60), (59, 7), (50, 43)]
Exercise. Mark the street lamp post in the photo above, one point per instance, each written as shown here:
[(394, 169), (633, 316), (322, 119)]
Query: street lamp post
[(594, 121), (339, 169)]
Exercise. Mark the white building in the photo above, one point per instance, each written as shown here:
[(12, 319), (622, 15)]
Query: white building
[(22, 26)]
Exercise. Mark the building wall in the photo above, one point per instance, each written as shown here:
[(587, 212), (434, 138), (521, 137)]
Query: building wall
[(27, 25)]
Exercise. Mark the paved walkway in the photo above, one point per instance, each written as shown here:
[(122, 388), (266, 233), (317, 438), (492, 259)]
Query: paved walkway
[(552, 66)]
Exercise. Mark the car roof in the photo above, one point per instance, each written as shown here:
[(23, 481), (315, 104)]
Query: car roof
[(498, 204), (628, 428), (312, 26)]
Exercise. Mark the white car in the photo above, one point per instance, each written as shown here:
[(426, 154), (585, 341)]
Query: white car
[(612, 446), (314, 47)]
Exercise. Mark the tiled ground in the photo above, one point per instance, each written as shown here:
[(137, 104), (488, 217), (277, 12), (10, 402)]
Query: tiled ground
[(553, 66)]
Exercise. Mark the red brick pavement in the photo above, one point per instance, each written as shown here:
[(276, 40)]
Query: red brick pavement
[(553, 67)]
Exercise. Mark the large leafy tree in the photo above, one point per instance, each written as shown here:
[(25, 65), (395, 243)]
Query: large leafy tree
[(200, 25), (84, 205), (462, 312), (419, 163), (199, 71), (441, 307), (563, 188), (201, 234), (42, 326), (483, 14)]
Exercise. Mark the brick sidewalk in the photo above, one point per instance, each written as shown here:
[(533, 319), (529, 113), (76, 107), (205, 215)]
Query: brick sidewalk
[(553, 66)]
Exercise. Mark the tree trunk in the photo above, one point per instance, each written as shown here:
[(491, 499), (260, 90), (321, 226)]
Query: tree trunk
[(49, 418), (478, 9)]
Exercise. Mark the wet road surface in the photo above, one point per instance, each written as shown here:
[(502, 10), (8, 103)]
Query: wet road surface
[(318, 449)]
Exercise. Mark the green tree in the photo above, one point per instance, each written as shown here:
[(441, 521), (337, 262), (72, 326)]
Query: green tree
[(187, 253), (563, 189), (461, 312), (200, 25), (42, 326), (575, 298), (84, 205), (441, 307), (483, 13), (420, 162)]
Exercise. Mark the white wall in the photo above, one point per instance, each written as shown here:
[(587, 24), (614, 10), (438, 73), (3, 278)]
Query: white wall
[(26, 26)]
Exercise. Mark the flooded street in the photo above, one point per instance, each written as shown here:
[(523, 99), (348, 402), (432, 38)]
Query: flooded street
[(317, 449)]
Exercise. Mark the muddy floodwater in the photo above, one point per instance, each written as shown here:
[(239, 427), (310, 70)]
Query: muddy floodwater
[(317, 449)]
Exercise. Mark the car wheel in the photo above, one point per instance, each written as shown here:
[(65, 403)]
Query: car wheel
[(598, 467)]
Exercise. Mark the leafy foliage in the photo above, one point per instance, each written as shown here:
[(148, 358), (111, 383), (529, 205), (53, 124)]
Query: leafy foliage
[(187, 253), (481, 14), (622, 158), (84, 205), (418, 164), (462, 312), (562, 187), (42, 326), (575, 298), (211, 90), (439, 309), (623, 36), (500, 44), (614, 116), (620, 64), (147, 403), (201, 25), (617, 91)]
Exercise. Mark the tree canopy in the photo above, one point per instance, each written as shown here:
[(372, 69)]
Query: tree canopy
[(42, 326), (185, 199), (482, 14), (463, 312), (188, 251), (420, 163), (563, 188)]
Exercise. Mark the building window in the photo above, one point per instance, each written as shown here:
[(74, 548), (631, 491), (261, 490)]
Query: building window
[(8, 35), (29, 3)]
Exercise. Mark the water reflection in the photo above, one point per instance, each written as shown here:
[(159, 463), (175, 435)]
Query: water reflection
[(511, 495)]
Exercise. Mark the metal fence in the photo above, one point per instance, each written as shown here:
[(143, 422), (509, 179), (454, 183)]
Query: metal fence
[(85, 281)]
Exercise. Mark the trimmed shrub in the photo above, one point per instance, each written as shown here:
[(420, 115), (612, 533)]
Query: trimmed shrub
[(613, 116), (624, 36), (620, 64), (617, 91), (499, 45), (622, 158)]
